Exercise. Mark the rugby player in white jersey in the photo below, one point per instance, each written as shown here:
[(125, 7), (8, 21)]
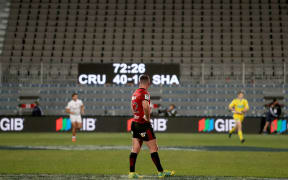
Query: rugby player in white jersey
[(75, 109)]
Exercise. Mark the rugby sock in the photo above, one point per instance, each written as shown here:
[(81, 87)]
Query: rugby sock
[(240, 134), (156, 160), (232, 130), (133, 157)]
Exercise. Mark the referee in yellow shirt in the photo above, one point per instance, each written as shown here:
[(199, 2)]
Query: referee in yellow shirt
[(239, 106)]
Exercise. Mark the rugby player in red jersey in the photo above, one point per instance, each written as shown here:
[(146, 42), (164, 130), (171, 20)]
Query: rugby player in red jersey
[(142, 130)]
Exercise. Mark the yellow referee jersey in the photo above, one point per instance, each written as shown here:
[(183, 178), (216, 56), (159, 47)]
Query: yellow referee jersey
[(239, 105)]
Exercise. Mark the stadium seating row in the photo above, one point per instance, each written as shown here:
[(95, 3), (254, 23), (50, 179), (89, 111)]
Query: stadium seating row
[(4, 13), (190, 100), (199, 23)]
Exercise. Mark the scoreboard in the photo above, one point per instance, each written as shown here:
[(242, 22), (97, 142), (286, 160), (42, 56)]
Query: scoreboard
[(125, 73)]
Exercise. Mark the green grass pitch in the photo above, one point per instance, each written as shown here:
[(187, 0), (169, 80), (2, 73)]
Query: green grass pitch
[(219, 162)]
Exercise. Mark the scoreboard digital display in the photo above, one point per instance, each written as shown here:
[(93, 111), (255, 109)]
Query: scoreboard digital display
[(125, 73)]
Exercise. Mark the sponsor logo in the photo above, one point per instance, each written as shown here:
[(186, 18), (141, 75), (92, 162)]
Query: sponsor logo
[(278, 125), (143, 134), (219, 125), (64, 124), (147, 97), (206, 125), (158, 124), (11, 124)]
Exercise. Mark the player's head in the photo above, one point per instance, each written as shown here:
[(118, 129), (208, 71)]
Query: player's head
[(74, 96), (274, 101), (144, 81), (172, 106), (240, 94)]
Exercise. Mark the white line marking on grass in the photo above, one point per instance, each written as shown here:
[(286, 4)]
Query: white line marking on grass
[(165, 148), (114, 177)]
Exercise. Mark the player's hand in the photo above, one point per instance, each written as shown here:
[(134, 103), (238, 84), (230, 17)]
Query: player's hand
[(239, 112), (236, 112), (146, 119)]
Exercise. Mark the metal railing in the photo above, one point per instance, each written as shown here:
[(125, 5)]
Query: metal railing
[(39, 73), (237, 73)]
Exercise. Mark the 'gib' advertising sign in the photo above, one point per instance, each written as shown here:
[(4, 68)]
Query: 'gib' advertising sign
[(216, 125), (64, 124), (11, 124)]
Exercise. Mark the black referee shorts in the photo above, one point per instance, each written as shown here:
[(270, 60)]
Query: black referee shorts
[(269, 117), (142, 131)]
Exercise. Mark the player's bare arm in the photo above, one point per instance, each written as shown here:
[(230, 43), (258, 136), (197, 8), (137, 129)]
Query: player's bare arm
[(146, 108), (82, 109), (131, 105), (246, 109), (69, 112), (232, 109)]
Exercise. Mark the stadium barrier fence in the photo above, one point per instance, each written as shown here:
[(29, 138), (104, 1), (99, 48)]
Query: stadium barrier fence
[(203, 124)]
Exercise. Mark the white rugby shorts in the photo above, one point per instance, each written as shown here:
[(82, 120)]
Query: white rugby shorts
[(77, 119)]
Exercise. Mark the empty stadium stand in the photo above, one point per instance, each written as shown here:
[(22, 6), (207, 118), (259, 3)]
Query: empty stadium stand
[(218, 43), (4, 13)]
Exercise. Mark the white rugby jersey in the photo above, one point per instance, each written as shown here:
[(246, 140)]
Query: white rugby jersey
[(75, 106)]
